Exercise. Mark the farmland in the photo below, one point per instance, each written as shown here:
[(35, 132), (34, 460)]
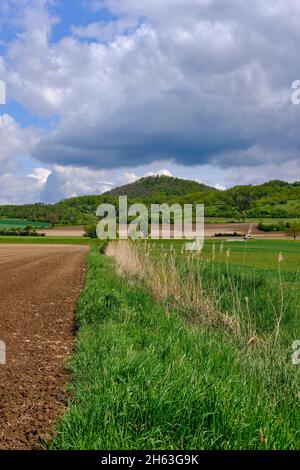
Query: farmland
[(6, 224), (39, 286), (173, 350)]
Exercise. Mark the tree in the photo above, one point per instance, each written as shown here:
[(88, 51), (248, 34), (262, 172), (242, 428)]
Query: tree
[(294, 230), (91, 231), (52, 219), (242, 198)]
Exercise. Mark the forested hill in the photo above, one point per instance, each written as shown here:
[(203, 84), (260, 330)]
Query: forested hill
[(153, 187), (276, 199)]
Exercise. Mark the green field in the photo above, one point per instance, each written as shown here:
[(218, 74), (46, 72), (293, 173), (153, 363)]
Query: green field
[(49, 240), (250, 220), (187, 351), (21, 223), (259, 254)]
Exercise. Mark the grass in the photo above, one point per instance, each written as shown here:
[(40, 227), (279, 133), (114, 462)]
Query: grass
[(255, 283), (259, 254), (148, 376), (21, 223), (249, 220), (49, 240)]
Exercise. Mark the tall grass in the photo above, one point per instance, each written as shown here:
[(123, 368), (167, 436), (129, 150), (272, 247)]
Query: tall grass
[(150, 375), (237, 299)]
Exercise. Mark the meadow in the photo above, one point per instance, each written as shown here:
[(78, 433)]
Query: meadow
[(6, 224), (250, 220), (48, 240), (186, 351)]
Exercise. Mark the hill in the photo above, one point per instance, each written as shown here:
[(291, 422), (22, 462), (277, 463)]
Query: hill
[(153, 187), (274, 199)]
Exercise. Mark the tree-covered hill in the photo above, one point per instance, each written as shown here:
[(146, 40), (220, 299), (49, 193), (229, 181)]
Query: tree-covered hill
[(274, 199), (159, 187)]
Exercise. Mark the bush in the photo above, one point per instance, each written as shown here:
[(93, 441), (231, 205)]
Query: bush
[(279, 227), (91, 231), (234, 234), (21, 232)]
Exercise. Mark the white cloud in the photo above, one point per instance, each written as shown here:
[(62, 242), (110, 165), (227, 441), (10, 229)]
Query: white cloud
[(15, 141), (105, 30), (220, 187), (16, 189), (40, 174), (163, 172), (127, 178), (66, 182), (257, 174)]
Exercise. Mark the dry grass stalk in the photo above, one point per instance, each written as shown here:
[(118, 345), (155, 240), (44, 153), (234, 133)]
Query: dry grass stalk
[(127, 259), (163, 278)]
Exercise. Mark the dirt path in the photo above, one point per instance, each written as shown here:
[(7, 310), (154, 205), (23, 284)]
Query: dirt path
[(39, 286)]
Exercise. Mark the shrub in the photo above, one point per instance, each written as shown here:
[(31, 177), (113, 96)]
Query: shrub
[(91, 231), (279, 227), (234, 234)]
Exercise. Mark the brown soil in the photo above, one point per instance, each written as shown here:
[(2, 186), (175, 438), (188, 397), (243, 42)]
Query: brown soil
[(63, 232), (39, 286), (210, 231), (242, 228)]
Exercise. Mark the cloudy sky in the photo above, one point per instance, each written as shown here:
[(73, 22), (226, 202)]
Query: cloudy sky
[(100, 92)]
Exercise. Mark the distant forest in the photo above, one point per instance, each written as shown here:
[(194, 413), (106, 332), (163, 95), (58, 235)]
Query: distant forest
[(275, 199)]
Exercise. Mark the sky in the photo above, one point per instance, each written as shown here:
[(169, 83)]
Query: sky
[(102, 92)]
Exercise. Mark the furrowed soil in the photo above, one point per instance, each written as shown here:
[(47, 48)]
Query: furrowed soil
[(39, 287)]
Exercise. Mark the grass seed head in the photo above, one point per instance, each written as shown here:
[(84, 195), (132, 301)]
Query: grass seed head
[(280, 257)]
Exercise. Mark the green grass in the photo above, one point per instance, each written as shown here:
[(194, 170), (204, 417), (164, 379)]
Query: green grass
[(249, 220), (146, 378), (251, 280), (50, 240), (253, 253), (21, 223)]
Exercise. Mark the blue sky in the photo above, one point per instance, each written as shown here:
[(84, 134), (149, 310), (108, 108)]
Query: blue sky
[(102, 92), (73, 13)]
